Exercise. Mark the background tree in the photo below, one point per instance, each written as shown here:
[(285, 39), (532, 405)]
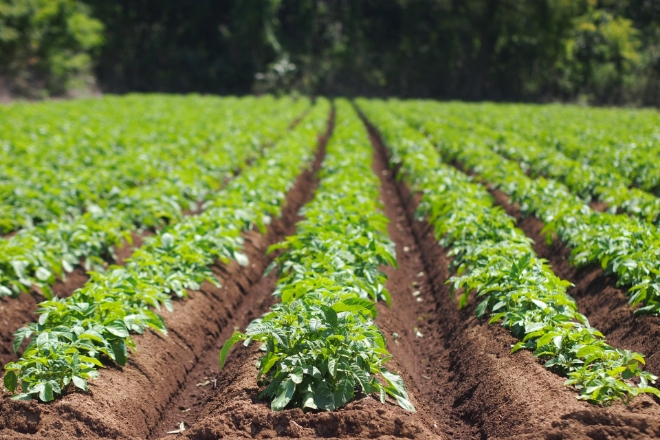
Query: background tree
[(47, 46), (597, 51)]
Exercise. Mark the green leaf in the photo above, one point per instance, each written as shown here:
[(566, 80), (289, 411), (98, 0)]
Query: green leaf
[(43, 317), (120, 352), (167, 240), (46, 393), (42, 274), (518, 346), (324, 397), (395, 381), (405, 404), (11, 381), (117, 328), (284, 395), (482, 308), (80, 382), (344, 391), (589, 350), (296, 375), (237, 336), (241, 259)]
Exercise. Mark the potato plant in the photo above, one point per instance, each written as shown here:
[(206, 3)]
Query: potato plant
[(75, 335), (320, 344), (127, 194), (624, 246), (587, 181), (494, 259)]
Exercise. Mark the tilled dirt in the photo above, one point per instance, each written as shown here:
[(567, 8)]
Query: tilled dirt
[(236, 410), (17, 312)]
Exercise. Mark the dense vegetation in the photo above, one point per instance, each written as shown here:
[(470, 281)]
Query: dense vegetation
[(495, 259), (73, 333), (195, 174), (599, 51)]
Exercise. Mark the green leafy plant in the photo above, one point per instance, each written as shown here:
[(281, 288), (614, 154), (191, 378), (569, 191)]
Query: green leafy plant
[(624, 246), (97, 321), (496, 261), (320, 343), (77, 210)]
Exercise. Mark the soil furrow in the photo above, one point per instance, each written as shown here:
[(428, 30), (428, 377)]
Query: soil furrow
[(419, 346), (486, 391), (129, 402)]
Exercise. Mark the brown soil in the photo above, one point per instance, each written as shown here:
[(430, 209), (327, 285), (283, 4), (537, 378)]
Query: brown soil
[(597, 205), (128, 402), (598, 297), (237, 411)]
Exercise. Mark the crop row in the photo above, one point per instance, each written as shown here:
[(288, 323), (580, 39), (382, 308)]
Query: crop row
[(320, 342), (493, 258), (623, 246), (73, 334), (625, 143), (36, 256), (589, 182), (63, 158)]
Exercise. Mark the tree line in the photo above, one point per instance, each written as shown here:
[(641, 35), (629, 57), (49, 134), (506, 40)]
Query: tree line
[(595, 51)]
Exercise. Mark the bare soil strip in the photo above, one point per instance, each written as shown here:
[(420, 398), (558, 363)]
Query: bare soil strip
[(483, 389), (598, 297), (419, 349), (128, 402), (204, 381)]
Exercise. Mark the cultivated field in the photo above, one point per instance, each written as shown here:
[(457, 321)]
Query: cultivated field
[(266, 267)]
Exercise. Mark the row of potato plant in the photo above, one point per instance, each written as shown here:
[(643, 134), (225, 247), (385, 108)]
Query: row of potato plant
[(493, 258), (39, 255), (589, 182), (624, 246), (320, 343), (60, 158), (625, 142), (74, 335)]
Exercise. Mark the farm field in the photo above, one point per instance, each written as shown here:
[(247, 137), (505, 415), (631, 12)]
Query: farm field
[(260, 267)]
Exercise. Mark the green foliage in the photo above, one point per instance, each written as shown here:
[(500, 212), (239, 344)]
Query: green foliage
[(623, 246), (494, 259), (47, 46), (601, 53), (320, 343), (96, 321), (74, 206), (598, 158)]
